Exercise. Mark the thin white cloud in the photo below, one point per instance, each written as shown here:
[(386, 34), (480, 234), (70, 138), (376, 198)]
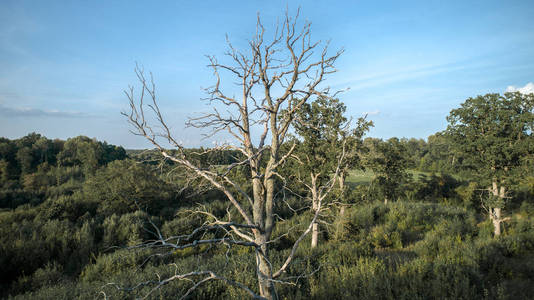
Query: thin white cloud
[(371, 113), (527, 89), (408, 73), (14, 112)]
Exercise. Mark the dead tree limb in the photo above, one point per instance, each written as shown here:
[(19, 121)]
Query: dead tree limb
[(273, 75)]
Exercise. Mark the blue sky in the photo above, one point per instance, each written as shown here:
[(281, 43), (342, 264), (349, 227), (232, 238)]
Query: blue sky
[(65, 64)]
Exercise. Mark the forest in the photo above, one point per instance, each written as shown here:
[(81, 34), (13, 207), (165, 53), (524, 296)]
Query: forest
[(304, 205), (74, 211)]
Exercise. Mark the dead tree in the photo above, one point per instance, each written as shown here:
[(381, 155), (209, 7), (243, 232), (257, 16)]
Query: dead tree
[(272, 75)]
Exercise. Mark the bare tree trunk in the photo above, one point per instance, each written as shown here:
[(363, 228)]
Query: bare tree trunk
[(315, 201), (261, 76), (262, 200), (315, 228), (265, 275), (493, 211), (340, 222), (341, 180), (315, 234), (496, 212), (496, 221), (386, 200)]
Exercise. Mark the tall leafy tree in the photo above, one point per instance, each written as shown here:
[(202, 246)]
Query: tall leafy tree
[(125, 186), (438, 156), (416, 148), (388, 160), (327, 149), (8, 152), (492, 136), (88, 153)]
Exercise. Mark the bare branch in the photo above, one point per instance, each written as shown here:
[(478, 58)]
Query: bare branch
[(207, 276), (274, 77)]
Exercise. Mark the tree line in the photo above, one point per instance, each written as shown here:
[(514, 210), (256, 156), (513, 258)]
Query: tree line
[(69, 204), (71, 232)]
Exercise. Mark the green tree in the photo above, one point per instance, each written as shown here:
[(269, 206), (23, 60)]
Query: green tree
[(438, 156), (492, 136), (416, 148), (4, 171), (8, 152), (327, 148), (88, 153), (27, 157), (125, 186), (25, 160), (388, 160)]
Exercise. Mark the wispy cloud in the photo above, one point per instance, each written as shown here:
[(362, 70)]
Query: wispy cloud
[(17, 112), (406, 71), (371, 113), (391, 76), (527, 89)]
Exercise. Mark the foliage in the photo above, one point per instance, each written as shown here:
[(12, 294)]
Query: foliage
[(323, 131), (492, 134), (388, 160), (70, 208), (125, 186)]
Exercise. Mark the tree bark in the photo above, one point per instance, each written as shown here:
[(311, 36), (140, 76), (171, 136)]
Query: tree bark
[(342, 211), (264, 272), (263, 200), (496, 212), (315, 234), (341, 181), (496, 221), (315, 203), (340, 219)]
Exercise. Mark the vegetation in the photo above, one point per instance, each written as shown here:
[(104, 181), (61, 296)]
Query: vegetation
[(326, 147), (69, 209), (388, 160), (82, 219), (491, 134)]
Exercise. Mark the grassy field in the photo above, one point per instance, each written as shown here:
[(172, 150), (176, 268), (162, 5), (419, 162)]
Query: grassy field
[(358, 177)]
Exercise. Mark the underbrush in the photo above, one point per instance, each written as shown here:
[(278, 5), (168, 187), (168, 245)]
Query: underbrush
[(403, 250)]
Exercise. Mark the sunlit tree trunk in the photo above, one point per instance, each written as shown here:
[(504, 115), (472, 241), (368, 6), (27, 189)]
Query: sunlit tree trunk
[(315, 202), (495, 213)]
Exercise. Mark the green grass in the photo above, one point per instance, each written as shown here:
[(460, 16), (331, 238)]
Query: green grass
[(359, 177)]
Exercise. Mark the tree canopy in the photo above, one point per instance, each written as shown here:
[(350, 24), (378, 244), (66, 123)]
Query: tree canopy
[(493, 134), (493, 138)]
